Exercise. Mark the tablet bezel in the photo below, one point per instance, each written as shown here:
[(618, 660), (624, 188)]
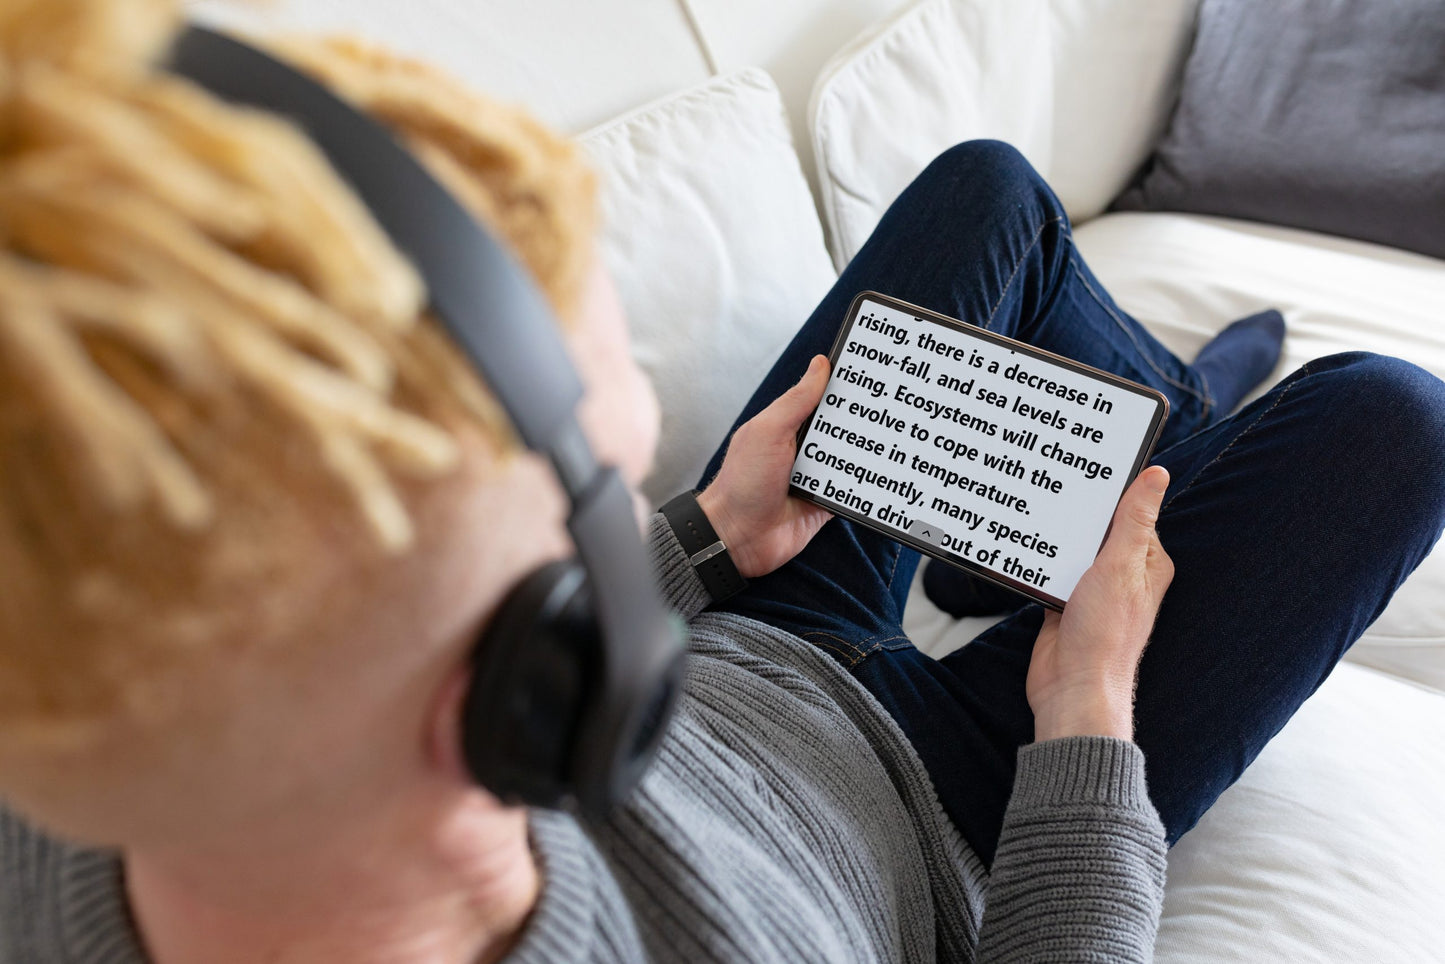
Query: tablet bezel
[(1146, 447)]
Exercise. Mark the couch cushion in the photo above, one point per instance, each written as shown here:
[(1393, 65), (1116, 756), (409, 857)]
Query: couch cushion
[(1322, 116), (1329, 848), (712, 237), (791, 41), (571, 64), (1081, 87), (1187, 276)]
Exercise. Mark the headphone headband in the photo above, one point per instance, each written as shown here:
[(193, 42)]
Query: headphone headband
[(496, 315)]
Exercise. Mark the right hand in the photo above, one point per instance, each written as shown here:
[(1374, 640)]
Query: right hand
[(1085, 661), (749, 504)]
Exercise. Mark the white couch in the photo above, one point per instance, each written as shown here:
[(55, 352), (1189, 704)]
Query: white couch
[(1331, 847)]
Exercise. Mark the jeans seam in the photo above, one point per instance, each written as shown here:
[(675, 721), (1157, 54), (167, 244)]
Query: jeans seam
[(851, 654), (893, 572), (877, 644), (1204, 399), (1304, 370), (1017, 265), (840, 646), (1208, 398)]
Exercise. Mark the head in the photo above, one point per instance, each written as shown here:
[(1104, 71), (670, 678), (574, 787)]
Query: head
[(255, 508)]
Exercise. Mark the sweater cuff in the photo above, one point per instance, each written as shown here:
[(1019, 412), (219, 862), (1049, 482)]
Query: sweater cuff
[(1082, 769), (677, 579)]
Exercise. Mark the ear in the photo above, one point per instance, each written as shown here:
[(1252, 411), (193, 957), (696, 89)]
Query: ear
[(444, 725)]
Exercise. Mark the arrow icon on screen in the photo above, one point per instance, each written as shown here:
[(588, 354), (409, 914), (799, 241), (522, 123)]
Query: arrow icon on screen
[(929, 533)]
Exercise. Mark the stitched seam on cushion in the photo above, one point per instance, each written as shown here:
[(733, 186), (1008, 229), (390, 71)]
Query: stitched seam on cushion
[(1017, 265), (1304, 370), (1073, 266)]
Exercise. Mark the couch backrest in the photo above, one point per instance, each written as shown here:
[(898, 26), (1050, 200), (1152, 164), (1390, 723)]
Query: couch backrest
[(573, 64), (578, 63)]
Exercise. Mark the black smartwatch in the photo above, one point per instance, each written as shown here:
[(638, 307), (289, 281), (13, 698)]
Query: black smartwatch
[(704, 549)]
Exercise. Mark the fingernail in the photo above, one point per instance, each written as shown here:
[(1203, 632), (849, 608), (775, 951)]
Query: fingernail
[(1158, 479)]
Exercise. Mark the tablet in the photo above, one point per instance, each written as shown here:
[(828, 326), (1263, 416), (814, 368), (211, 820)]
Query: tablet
[(995, 456)]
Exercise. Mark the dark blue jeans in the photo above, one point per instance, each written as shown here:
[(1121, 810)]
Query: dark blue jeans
[(1290, 523)]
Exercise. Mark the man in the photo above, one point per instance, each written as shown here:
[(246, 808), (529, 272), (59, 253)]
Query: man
[(231, 701)]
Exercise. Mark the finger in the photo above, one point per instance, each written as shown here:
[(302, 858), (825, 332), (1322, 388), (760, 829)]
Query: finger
[(789, 409), (1132, 530)]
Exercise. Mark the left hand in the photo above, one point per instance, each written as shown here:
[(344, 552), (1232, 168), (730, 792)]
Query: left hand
[(748, 502), (1084, 664)]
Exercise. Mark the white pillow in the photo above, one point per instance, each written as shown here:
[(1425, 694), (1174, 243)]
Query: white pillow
[(1081, 87), (715, 245)]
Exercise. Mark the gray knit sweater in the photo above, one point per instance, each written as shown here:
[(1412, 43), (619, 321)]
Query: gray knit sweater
[(786, 819)]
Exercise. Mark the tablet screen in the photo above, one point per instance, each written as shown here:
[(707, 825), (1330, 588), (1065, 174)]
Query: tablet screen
[(972, 447)]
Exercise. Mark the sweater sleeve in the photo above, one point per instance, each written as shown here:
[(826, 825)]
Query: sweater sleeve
[(1079, 871), (681, 587)]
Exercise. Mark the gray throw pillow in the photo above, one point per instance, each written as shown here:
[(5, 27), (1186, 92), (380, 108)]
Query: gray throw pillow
[(1320, 114)]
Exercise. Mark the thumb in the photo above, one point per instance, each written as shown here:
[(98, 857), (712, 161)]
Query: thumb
[(790, 408), (1133, 526)]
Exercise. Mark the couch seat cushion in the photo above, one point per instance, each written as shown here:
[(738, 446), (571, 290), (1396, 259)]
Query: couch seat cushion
[(1186, 276), (1329, 848)]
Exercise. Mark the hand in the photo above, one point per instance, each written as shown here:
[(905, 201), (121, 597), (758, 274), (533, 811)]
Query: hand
[(748, 503), (1085, 661)]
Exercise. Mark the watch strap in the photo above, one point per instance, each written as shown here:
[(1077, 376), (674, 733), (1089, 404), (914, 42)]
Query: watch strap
[(705, 551)]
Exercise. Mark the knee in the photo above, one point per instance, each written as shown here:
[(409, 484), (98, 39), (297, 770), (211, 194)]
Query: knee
[(1391, 413), (1397, 397), (994, 168), (987, 159)]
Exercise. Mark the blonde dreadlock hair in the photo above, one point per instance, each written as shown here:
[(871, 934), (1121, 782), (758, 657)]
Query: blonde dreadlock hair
[(205, 339)]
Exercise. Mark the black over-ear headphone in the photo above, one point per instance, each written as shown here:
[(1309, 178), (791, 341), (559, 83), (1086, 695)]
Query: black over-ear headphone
[(576, 675)]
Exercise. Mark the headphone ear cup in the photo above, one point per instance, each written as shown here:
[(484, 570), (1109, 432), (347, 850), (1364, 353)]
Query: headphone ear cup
[(532, 671)]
